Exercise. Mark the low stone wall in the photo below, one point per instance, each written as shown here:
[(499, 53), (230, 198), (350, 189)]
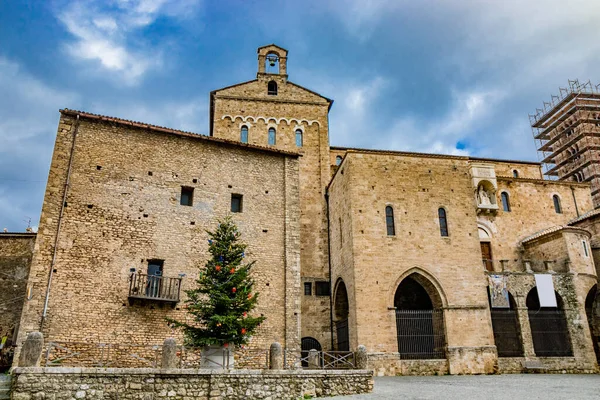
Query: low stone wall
[(553, 365), (148, 383), (390, 364)]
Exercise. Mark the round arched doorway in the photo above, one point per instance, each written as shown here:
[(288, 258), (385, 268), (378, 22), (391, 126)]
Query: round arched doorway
[(419, 319), (507, 331), (549, 329), (592, 312), (341, 313)]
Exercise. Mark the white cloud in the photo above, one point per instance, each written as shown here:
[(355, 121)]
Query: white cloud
[(107, 32), (187, 115), (28, 120)]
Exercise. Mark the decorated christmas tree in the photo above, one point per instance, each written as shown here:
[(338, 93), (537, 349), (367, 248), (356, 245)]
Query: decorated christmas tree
[(223, 298)]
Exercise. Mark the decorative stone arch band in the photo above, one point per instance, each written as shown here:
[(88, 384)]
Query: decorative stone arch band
[(266, 120)]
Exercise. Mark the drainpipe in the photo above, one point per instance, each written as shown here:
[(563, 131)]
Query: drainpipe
[(59, 222), (329, 262), (574, 200)]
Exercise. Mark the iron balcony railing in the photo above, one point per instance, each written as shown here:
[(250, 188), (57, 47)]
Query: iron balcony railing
[(154, 287)]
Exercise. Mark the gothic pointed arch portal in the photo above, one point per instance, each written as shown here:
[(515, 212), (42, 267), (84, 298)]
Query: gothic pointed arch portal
[(341, 313), (419, 319)]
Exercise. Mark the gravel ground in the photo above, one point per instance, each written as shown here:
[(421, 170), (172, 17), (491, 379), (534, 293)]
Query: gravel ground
[(484, 387)]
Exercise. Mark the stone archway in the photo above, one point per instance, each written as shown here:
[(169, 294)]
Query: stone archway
[(506, 328), (419, 319), (549, 329), (341, 314), (592, 311)]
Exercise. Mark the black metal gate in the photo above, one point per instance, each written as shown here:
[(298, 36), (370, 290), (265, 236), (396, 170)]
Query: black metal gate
[(307, 345), (343, 340), (550, 333), (420, 334), (507, 333)]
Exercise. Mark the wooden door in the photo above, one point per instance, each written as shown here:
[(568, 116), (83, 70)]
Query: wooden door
[(486, 256)]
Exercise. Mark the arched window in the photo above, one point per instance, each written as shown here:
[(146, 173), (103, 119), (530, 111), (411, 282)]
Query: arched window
[(272, 88), (515, 173), (244, 134), (298, 138), (557, 207), (338, 160), (389, 221), (505, 202), (443, 222), (271, 136)]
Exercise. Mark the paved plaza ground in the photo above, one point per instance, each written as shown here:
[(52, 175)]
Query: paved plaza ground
[(484, 387)]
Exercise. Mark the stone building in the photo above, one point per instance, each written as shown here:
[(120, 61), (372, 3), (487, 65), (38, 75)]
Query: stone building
[(16, 250), (436, 263)]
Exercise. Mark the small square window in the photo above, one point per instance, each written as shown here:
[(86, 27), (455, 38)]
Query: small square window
[(322, 288), (187, 196), (236, 203), (308, 288)]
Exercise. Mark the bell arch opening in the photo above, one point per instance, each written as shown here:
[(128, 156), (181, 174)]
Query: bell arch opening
[(341, 314), (549, 329), (419, 319), (506, 328)]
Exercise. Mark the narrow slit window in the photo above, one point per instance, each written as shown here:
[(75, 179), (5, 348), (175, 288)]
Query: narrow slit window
[(515, 173), (557, 206), (298, 138), (272, 138), (308, 288), (505, 202), (585, 249), (389, 221), (236, 203), (187, 196), (443, 222), (244, 134)]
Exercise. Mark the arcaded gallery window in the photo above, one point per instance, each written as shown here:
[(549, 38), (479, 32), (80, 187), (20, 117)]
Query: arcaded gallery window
[(272, 136), (244, 134)]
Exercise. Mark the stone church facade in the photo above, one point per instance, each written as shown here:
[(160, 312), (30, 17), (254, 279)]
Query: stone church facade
[(392, 250)]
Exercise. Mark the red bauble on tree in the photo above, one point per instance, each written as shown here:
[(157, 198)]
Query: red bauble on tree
[(233, 290), (218, 267)]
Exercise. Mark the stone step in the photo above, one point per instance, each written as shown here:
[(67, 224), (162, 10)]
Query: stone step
[(4, 393)]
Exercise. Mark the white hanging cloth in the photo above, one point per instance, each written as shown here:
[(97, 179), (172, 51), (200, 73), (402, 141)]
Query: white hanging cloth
[(545, 290)]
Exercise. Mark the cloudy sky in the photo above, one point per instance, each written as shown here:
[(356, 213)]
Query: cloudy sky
[(444, 76)]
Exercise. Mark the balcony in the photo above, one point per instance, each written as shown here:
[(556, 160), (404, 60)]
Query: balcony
[(154, 288)]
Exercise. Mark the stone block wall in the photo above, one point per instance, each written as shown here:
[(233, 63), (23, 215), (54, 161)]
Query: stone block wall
[(16, 252), (292, 108), (123, 209), (141, 384)]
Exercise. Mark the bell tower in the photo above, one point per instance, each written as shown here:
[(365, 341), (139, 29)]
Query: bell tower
[(272, 60), (271, 111)]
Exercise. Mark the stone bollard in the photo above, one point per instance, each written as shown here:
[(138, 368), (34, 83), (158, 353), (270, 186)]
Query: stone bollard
[(313, 359), (275, 356), (31, 352), (169, 354), (361, 357)]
